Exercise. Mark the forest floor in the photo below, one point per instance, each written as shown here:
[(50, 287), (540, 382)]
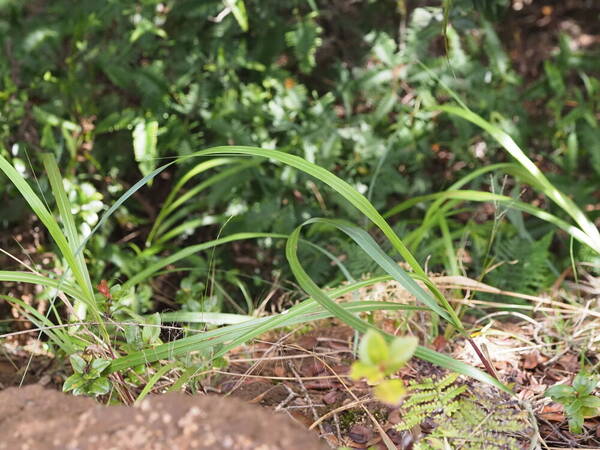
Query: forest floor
[(303, 373)]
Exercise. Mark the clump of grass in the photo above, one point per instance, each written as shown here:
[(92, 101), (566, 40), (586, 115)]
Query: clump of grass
[(128, 351)]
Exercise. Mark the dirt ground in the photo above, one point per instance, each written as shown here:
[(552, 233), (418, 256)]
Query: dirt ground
[(37, 418)]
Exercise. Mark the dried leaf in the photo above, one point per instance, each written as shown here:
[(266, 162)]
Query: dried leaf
[(359, 434), (331, 397), (531, 360)]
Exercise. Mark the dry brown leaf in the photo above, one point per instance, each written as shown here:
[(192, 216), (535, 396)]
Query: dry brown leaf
[(553, 412), (360, 434), (331, 397), (531, 360)]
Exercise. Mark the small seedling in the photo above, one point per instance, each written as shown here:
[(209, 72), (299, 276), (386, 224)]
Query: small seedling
[(578, 400), (88, 378), (379, 359)]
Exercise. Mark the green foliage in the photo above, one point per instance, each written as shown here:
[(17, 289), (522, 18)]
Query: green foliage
[(110, 87), (88, 378), (95, 306), (160, 80), (523, 264), (480, 423), (144, 145), (460, 417), (578, 400), (305, 41)]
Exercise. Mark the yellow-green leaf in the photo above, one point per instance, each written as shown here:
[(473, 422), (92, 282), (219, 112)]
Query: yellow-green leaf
[(390, 391), (361, 370), (401, 350), (373, 348)]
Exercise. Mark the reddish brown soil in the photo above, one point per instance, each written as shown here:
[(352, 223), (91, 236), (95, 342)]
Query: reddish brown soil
[(38, 418)]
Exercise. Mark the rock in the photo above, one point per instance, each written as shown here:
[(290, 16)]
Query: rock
[(37, 418)]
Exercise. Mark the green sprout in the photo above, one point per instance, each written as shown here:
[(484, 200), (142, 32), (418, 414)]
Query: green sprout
[(379, 359), (578, 400)]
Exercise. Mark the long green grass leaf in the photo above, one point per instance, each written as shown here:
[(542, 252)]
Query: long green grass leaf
[(233, 335), (122, 199), (56, 335), (360, 325), (64, 208), (479, 196), (544, 184), (272, 322), (340, 186), (173, 200), (153, 380), (203, 317), (374, 251), (31, 278), (536, 178), (48, 220), (188, 251)]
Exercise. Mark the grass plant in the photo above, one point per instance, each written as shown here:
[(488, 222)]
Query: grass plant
[(85, 304)]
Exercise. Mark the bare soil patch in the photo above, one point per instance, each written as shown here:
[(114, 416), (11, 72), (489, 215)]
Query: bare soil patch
[(37, 418)]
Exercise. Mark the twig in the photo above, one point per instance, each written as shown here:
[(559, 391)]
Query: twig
[(306, 395), (291, 395)]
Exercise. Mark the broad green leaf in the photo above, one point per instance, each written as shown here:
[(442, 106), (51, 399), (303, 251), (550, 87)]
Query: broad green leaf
[(361, 370), (584, 385), (98, 366), (401, 350), (373, 349), (74, 383), (99, 386), (589, 412), (574, 406), (575, 416), (78, 363), (591, 402), (560, 391), (151, 333), (133, 336)]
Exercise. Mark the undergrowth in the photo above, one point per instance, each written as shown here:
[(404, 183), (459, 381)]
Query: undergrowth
[(388, 152)]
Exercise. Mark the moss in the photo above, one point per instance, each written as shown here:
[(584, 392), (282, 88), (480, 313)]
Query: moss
[(349, 418), (380, 414)]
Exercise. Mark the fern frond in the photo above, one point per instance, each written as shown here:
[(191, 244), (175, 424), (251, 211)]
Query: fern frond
[(465, 419), (525, 267)]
